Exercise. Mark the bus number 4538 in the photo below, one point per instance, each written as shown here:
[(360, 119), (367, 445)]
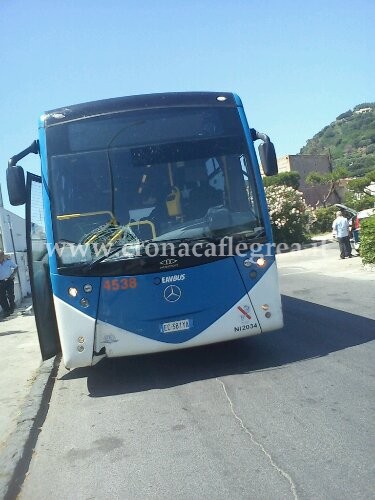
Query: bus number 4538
[(117, 284)]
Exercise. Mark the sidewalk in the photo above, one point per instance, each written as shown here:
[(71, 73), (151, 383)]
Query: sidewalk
[(20, 359), (19, 367), (325, 238), (321, 256)]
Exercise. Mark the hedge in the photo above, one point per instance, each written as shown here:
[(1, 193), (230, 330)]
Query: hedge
[(368, 240)]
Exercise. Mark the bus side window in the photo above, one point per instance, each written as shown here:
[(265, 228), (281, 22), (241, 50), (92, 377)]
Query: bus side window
[(215, 174)]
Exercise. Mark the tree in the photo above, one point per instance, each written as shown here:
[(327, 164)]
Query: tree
[(364, 105), (330, 179), (290, 179), (350, 139), (356, 196), (290, 216), (358, 185), (345, 115)]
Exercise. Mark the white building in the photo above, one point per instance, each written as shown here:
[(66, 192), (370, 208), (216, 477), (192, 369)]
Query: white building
[(13, 243), (370, 189), (363, 110)]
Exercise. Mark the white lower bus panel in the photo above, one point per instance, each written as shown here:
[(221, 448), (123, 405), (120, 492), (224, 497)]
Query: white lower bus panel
[(247, 317), (76, 332), (81, 335)]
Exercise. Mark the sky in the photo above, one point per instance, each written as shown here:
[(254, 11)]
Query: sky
[(296, 65)]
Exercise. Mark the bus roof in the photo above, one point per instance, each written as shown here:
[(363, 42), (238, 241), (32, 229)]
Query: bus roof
[(134, 102)]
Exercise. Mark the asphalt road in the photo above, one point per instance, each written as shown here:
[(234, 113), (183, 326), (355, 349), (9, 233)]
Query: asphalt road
[(289, 414)]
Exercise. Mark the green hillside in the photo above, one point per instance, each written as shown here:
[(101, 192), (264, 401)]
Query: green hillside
[(350, 140)]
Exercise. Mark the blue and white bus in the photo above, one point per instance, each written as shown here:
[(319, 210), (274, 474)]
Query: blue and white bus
[(148, 227)]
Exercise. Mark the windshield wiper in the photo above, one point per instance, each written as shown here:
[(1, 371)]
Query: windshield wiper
[(141, 249), (246, 235), (113, 251)]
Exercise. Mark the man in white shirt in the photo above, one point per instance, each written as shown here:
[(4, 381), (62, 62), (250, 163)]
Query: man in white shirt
[(7, 271), (341, 227)]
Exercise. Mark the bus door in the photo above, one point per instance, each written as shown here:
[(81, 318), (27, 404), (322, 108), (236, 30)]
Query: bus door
[(40, 282)]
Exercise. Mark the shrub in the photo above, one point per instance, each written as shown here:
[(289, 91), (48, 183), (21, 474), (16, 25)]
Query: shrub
[(290, 216), (323, 220), (368, 240)]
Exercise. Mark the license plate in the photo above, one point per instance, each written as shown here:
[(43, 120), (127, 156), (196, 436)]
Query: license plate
[(176, 326)]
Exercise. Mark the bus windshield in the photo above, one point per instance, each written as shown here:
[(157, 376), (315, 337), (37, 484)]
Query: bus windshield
[(159, 175)]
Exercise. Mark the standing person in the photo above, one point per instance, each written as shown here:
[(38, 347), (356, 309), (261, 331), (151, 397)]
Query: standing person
[(7, 271), (341, 227)]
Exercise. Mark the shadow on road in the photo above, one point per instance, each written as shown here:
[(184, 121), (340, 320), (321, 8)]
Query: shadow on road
[(310, 331), (12, 332)]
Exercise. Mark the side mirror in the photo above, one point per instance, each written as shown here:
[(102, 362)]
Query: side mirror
[(16, 185), (268, 158), (16, 177)]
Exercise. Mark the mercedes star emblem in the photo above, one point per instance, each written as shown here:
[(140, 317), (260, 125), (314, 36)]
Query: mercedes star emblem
[(172, 293)]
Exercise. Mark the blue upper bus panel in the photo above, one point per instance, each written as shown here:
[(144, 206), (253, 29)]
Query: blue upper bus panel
[(145, 101)]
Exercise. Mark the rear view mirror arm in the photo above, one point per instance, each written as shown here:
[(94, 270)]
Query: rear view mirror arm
[(33, 148), (255, 135)]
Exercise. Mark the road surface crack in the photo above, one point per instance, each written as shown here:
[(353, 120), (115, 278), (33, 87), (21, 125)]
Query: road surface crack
[(259, 445)]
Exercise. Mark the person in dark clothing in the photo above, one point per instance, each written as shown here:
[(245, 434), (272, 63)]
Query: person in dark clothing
[(202, 198), (7, 271)]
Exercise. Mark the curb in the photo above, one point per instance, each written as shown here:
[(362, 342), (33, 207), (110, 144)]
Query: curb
[(316, 243), (369, 267), (16, 455), (303, 246)]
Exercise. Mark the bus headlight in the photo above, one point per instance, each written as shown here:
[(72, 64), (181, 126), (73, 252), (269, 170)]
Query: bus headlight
[(261, 262), (73, 292), (84, 302), (87, 288)]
